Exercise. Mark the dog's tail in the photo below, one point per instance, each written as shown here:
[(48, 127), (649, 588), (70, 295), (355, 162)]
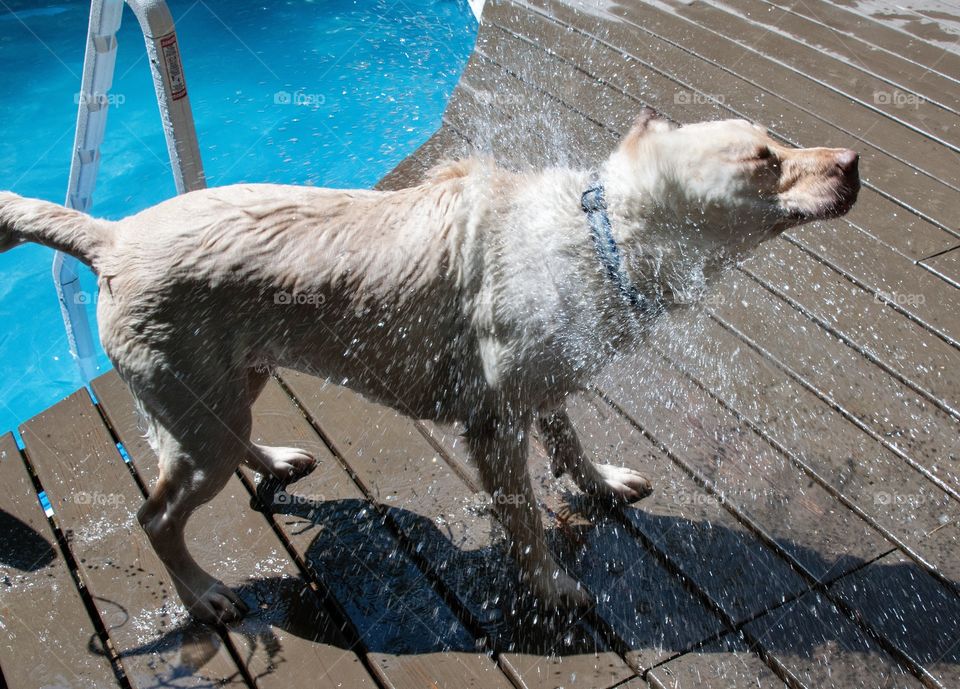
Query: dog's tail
[(70, 231)]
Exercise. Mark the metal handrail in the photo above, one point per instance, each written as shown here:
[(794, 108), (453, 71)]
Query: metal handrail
[(163, 52)]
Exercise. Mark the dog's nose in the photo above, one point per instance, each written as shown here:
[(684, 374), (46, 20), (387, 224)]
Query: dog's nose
[(847, 160)]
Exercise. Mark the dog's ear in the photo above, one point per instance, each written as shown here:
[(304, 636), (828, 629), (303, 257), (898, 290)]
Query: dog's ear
[(649, 120)]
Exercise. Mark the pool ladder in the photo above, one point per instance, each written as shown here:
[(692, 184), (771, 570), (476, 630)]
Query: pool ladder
[(171, 87)]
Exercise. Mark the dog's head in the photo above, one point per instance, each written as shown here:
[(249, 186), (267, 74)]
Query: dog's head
[(729, 181)]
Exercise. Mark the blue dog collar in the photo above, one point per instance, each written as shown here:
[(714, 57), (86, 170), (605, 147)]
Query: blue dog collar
[(594, 204)]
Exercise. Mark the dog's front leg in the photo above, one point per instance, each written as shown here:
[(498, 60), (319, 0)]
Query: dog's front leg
[(499, 448), (567, 456)]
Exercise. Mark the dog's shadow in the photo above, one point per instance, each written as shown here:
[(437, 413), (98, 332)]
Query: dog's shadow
[(398, 599), (400, 607)]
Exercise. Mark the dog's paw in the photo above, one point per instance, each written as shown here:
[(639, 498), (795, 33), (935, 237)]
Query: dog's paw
[(621, 483), (285, 464), (557, 590), (214, 603)]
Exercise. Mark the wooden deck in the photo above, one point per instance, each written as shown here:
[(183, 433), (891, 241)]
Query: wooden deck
[(801, 431)]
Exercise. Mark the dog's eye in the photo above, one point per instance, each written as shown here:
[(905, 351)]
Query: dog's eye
[(764, 153)]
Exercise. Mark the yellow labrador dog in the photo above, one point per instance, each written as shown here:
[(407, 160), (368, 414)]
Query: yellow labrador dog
[(482, 296)]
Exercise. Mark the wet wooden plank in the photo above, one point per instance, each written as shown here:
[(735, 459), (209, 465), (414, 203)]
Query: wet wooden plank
[(935, 22), (902, 74), (759, 505), (449, 669), (893, 414), (845, 22), (816, 644), (95, 500), (533, 671), (849, 463), (918, 295), (445, 520), (904, 603), (48, 637), (522, 127), (813, 529), (702, 82), (819, 68), (862, 321), (288, 634), (730, 662), (946, 265), (741, 574)]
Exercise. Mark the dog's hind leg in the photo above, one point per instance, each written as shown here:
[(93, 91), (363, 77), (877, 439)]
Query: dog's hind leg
[(201, 437), (500, 451), (283, 463), (567, 456)]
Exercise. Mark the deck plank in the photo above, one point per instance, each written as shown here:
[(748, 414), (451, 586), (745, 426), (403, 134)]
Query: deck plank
[(847, 461), (687, 524), (946, 265), (906, 604), (95, 499), (812, 67), (48, 637), (821, 639), (729, 662), (846, 22), (903, 74), (395, 462), (937, 24), (892, 413), (821, 537), (861, 320), (288, 634)]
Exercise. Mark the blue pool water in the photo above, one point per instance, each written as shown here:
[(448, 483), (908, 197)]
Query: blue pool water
[(368, 79)]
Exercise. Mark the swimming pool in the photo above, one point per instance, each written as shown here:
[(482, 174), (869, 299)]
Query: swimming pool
[(327, 93)]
